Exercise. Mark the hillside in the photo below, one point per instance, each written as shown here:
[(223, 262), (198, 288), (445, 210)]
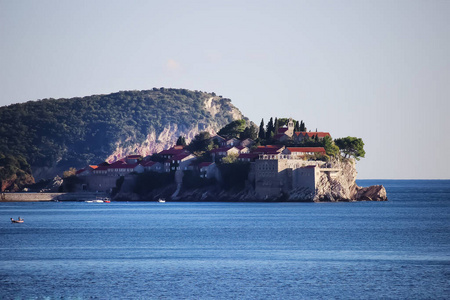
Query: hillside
[(55, 134)]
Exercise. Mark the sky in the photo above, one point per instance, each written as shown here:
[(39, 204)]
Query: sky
[(377, 70)]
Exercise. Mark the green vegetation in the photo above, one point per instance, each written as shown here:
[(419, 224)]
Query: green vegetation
[(233, 129), (74, 132), (351, 147), (201, 143), (15, 172)]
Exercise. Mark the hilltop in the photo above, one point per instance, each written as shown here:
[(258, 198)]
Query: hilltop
[(52, 135)]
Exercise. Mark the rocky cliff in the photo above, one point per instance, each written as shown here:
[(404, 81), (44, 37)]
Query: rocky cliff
[(341, 187)]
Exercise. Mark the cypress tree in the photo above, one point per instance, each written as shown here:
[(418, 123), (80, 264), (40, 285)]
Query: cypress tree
[(302, 126), (277, 125), (270, 128), (262, 132)]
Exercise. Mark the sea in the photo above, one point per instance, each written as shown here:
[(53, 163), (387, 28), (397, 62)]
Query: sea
[(399, 249)]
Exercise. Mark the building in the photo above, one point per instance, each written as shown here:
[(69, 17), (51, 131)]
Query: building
[(220, 153), (207, 169), (303, 151), (280, 173)]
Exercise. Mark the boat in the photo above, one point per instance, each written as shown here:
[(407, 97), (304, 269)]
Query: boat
[(19, 220), (99, 200), (162, 200)]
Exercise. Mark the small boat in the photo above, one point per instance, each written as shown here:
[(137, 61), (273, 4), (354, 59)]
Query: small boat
[(162, 200), (20, 220)]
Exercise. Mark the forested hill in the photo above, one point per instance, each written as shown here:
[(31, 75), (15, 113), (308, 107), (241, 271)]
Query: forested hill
[(55, 134)]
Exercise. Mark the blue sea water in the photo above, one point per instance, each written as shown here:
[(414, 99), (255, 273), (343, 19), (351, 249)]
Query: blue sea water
[(398, 249)]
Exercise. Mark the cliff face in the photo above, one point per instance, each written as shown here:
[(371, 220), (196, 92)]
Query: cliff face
[(341, 187), (156, 142)]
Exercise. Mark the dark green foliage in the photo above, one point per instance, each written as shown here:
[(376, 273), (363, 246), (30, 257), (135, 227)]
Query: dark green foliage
[(250, 132), (201, 142), (234, 175), (302, 126), (16, 170), (270, 129), (276, 125), (351, 147), (262, 132), (148, 181), (233, 129), (79, 131), (181, 141), (192, 180), (330, 147)]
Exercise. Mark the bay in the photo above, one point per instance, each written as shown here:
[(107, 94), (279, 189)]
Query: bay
[(399, 249)]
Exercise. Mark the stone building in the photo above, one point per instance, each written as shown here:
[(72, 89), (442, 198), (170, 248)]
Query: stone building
[(281, 173)]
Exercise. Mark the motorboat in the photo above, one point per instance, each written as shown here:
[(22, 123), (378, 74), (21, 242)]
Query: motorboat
[(19, 220), (162, 200)]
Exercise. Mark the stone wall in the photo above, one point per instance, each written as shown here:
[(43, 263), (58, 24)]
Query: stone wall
[(42, 197)]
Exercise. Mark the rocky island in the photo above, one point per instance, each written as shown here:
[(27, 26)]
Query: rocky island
[(175, 144)]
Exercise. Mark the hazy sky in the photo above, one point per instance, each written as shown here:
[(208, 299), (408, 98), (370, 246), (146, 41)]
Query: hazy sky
[(379, 70)]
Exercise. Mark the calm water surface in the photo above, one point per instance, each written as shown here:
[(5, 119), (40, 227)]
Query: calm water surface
[(398, 249)]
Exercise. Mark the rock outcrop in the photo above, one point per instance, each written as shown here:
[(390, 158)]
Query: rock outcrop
[(341, 187)]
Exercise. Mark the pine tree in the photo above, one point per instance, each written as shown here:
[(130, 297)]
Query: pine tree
[(262, 132)]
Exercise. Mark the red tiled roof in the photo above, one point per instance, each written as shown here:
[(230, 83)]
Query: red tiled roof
[(181, 156), (222, 149), (312, 134), (125, 166), (118, 163), (173, 151), (134, 156), (306, 149), (79, 171), (282, 129), (269, 149)]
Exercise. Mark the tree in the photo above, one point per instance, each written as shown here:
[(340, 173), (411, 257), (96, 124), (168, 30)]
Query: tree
[(351, 146), (233, 129), (229, 159), (302, 126), (330, 147), (201, 142), (262, 132), (297, 126), (181, 141), (270, 129), (276, 126), (250, 132), (70, 172)]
